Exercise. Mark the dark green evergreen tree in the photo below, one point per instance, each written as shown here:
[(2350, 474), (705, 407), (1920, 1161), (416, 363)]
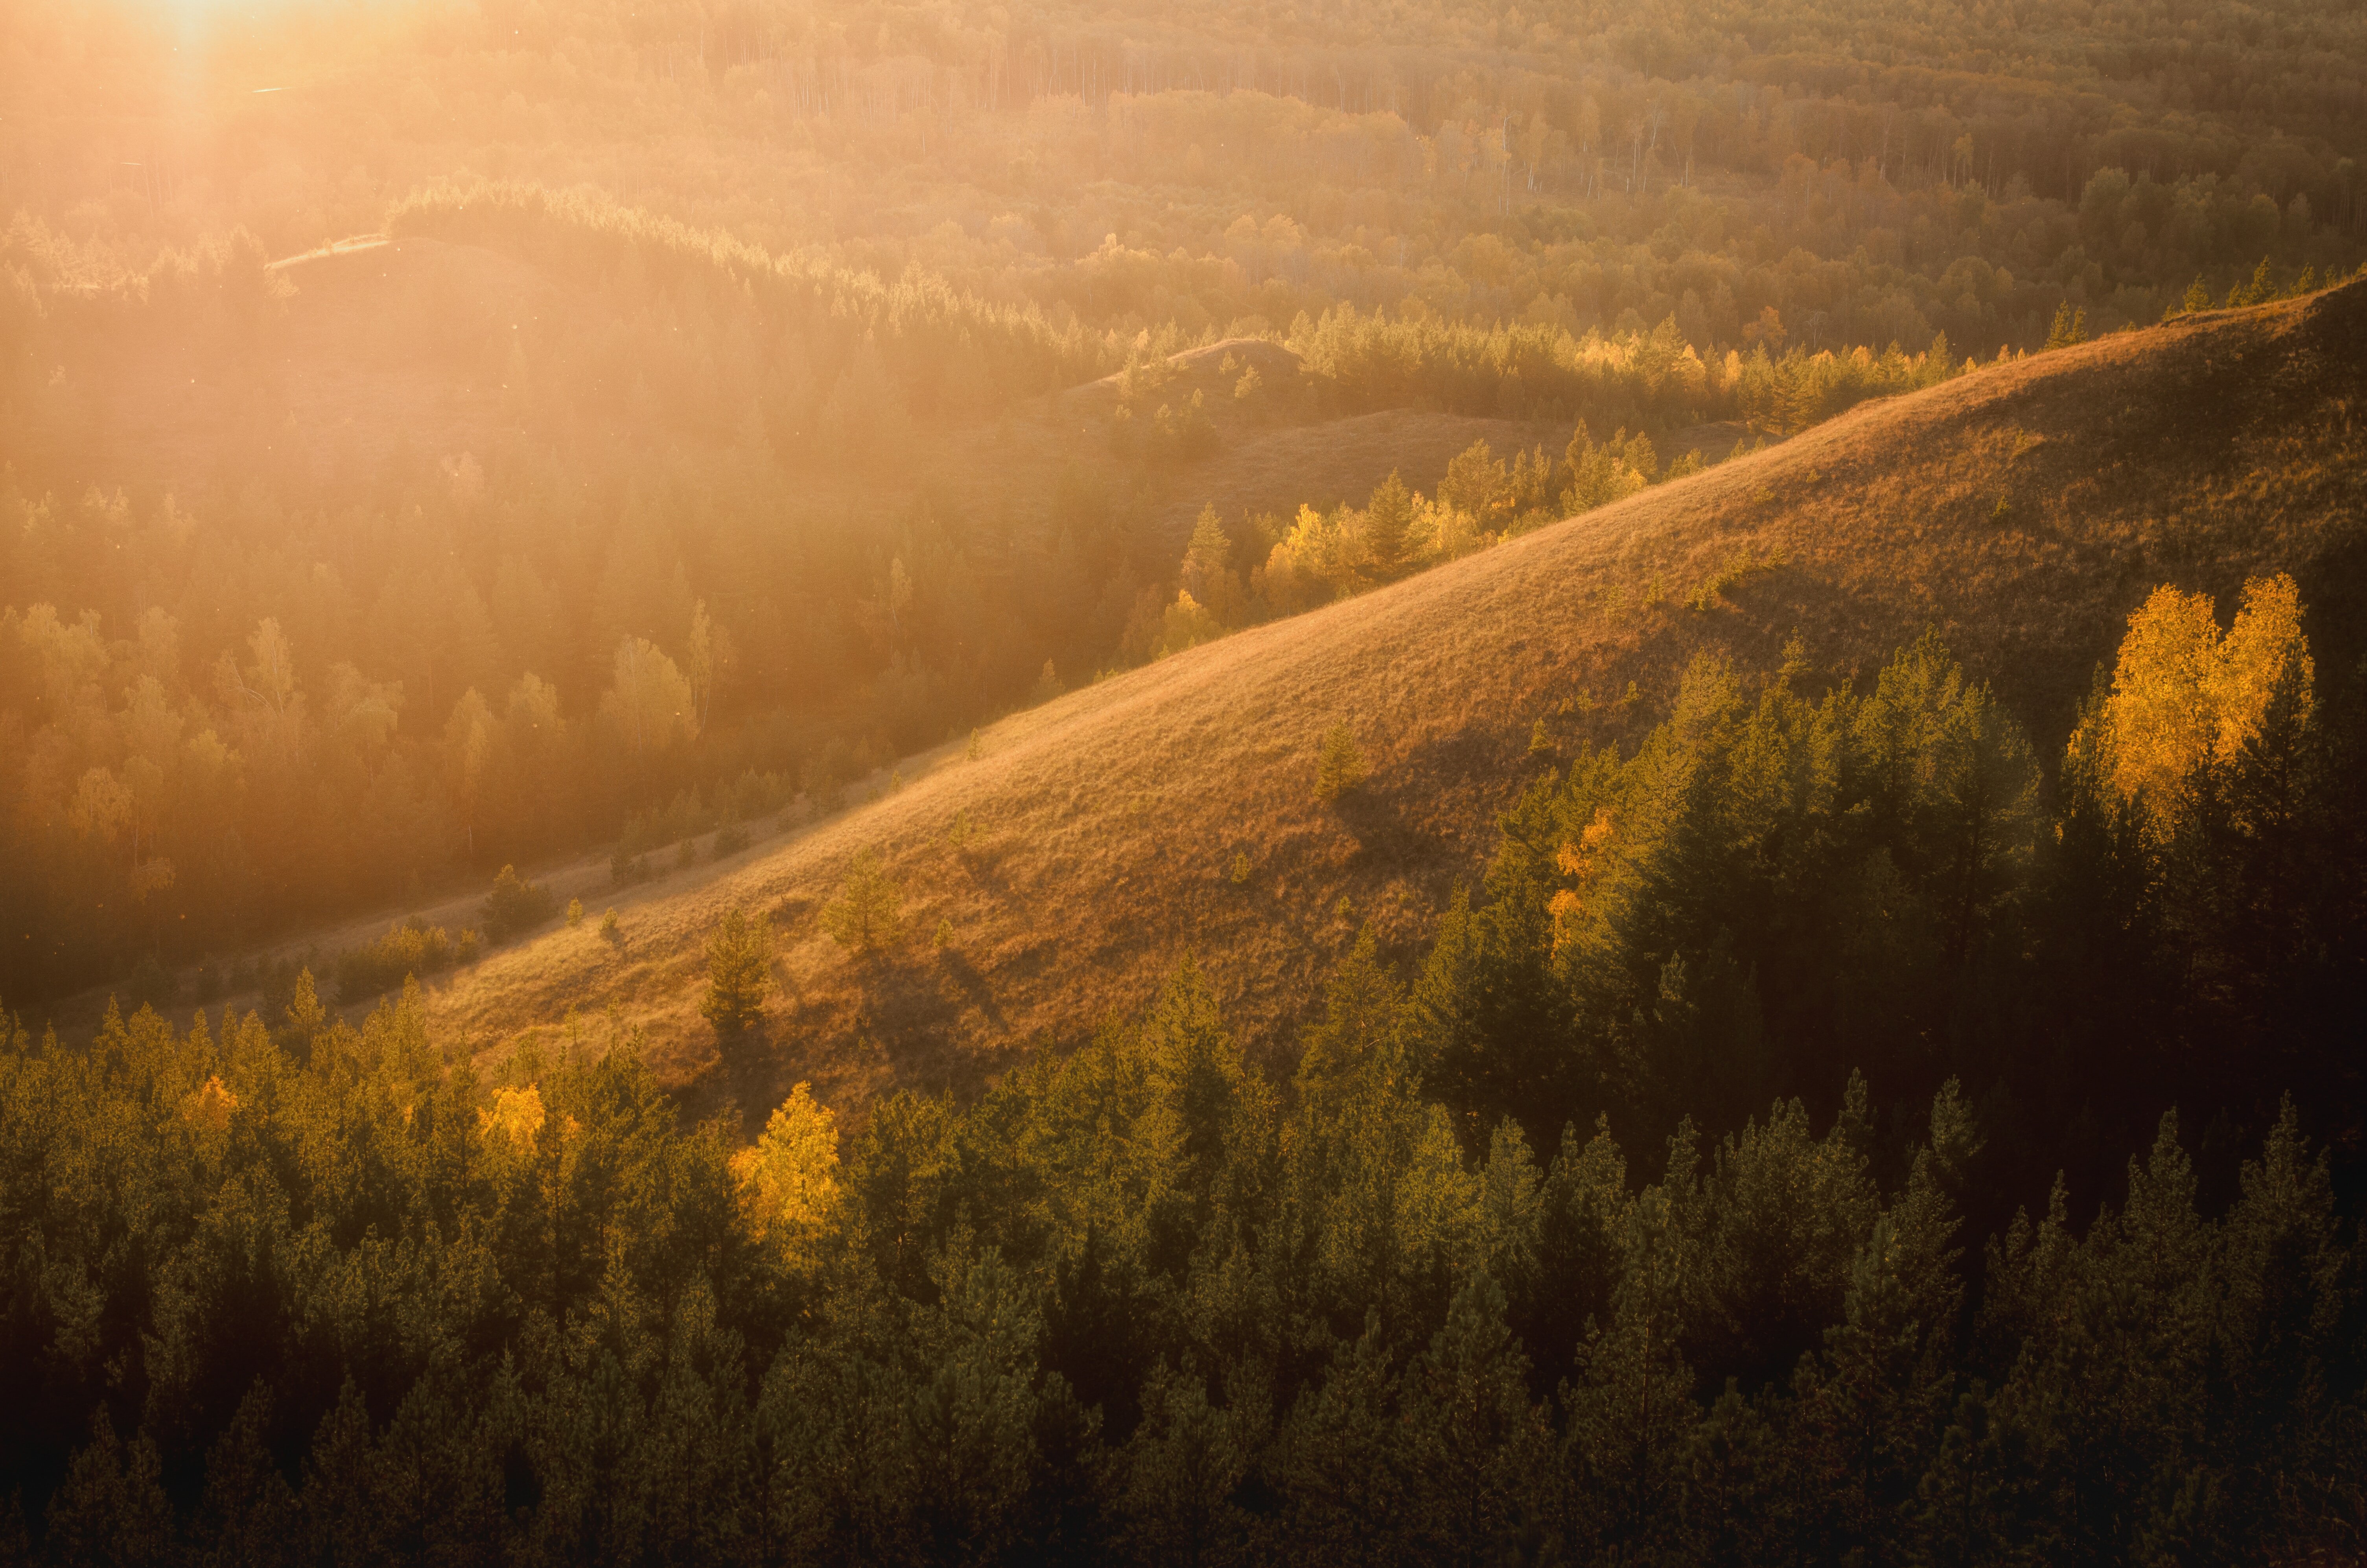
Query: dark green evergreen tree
[(738, 974)]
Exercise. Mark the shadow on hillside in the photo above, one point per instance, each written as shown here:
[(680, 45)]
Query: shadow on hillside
[(965, 980), (910, 991), (983, 866), (1395, 816), (746, 1080), (1379, 821)]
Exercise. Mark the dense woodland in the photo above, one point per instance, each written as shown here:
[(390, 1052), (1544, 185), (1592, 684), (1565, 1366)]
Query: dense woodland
[(684, 571), (1585, 1241)]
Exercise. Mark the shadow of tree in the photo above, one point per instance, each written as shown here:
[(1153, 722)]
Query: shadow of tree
[(971, 983)]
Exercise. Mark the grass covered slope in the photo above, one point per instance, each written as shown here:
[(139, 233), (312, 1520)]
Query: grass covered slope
[(2024, 510)]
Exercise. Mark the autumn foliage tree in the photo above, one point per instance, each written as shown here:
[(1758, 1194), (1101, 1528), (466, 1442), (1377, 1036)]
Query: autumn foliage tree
[(790, 1175)]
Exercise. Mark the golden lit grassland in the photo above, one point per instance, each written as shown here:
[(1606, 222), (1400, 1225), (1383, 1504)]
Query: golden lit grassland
[(2024, 510)]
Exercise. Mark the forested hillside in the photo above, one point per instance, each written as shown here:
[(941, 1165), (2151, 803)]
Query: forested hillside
[(720, 371)]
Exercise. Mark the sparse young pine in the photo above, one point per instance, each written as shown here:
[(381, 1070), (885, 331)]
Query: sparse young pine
[(2259, 290), (575, 913), (738, 972), (1339, 765), (2070, 326), (867, 912), (1240, 872), (515, 904), (609, 929), (945, 933), (1388, 514)]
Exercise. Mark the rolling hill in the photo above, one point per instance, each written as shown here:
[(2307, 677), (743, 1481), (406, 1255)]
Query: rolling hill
[(2022, 509)]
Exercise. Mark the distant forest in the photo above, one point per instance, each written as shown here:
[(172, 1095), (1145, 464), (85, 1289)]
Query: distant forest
[(704, 562), (289, 1290)]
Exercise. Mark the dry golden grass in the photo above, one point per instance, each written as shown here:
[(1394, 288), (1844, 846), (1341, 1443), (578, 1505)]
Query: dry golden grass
[(2024, 510)]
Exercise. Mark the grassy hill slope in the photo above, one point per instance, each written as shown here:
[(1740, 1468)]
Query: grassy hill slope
[(2024, 510)]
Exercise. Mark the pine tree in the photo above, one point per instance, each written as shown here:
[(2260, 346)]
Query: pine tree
[(2259, 290), (248, 1514), (1872, 1408), (1339, 765), (1205, 572), (1182, 1470), (1476, 1443), (1387, 516), (867, 912), (515, 905), (738, 974), (2070, 326), (111, 1507), (1580, 448), (306, 1017), (1342, 1460)]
